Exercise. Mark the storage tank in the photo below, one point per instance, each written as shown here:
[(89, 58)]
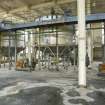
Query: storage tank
[(64, 38), (48, 34)]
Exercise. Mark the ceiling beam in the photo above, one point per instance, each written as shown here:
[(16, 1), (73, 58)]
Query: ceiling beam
[(5, 11), (41, 5), (26, 7), (23, 2)]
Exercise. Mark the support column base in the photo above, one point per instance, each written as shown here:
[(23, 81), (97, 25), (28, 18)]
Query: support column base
[(82, 86)]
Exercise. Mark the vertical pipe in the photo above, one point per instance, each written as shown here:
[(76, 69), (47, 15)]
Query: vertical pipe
[(92, 33), (4, 61), (24, 50), (63, 61), (89, 45), (25, 45), (74, 48), (48, 61), (11, 60), (15, 49), (9, 52), (0, 51), (29, 50), (74, 57), (39, 50), (104, 44), (57, 50), (81, 43), (45, 61), (42, 58)]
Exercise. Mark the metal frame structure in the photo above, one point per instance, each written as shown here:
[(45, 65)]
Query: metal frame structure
[(57, 22), (39, 34), (93, 18)]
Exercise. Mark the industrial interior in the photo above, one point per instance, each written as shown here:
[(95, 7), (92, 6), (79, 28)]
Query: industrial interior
[(52, 52)]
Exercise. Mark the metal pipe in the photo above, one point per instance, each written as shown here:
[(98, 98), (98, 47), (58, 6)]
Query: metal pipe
[(92, 33), (15, 49), (57, 50), (74, 47), (29, 50), (81, 43), (11, 61), (42, 58), (48, 61), (0, 51), (39, 50), (9, 53), (24, 46), (4, 61), (104, 44), (51, 51), (89, 45)]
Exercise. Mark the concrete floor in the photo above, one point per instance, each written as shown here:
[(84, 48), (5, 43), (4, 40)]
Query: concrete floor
[(50, 88)]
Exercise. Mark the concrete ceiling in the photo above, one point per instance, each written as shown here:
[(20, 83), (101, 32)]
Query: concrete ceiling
[(29, 10)]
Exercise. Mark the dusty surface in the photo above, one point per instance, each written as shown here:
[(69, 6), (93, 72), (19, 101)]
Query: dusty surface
[(50, 88)]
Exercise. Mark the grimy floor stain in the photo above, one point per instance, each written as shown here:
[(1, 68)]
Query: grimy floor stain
[(34, 96), (21, 88)]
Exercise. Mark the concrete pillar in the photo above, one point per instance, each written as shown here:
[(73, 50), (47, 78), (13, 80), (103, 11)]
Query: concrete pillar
[(81, 43)]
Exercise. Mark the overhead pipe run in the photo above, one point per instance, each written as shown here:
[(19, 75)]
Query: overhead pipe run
[(93, 18)]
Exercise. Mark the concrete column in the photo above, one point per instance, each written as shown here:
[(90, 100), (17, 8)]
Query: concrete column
[(81, 43)]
